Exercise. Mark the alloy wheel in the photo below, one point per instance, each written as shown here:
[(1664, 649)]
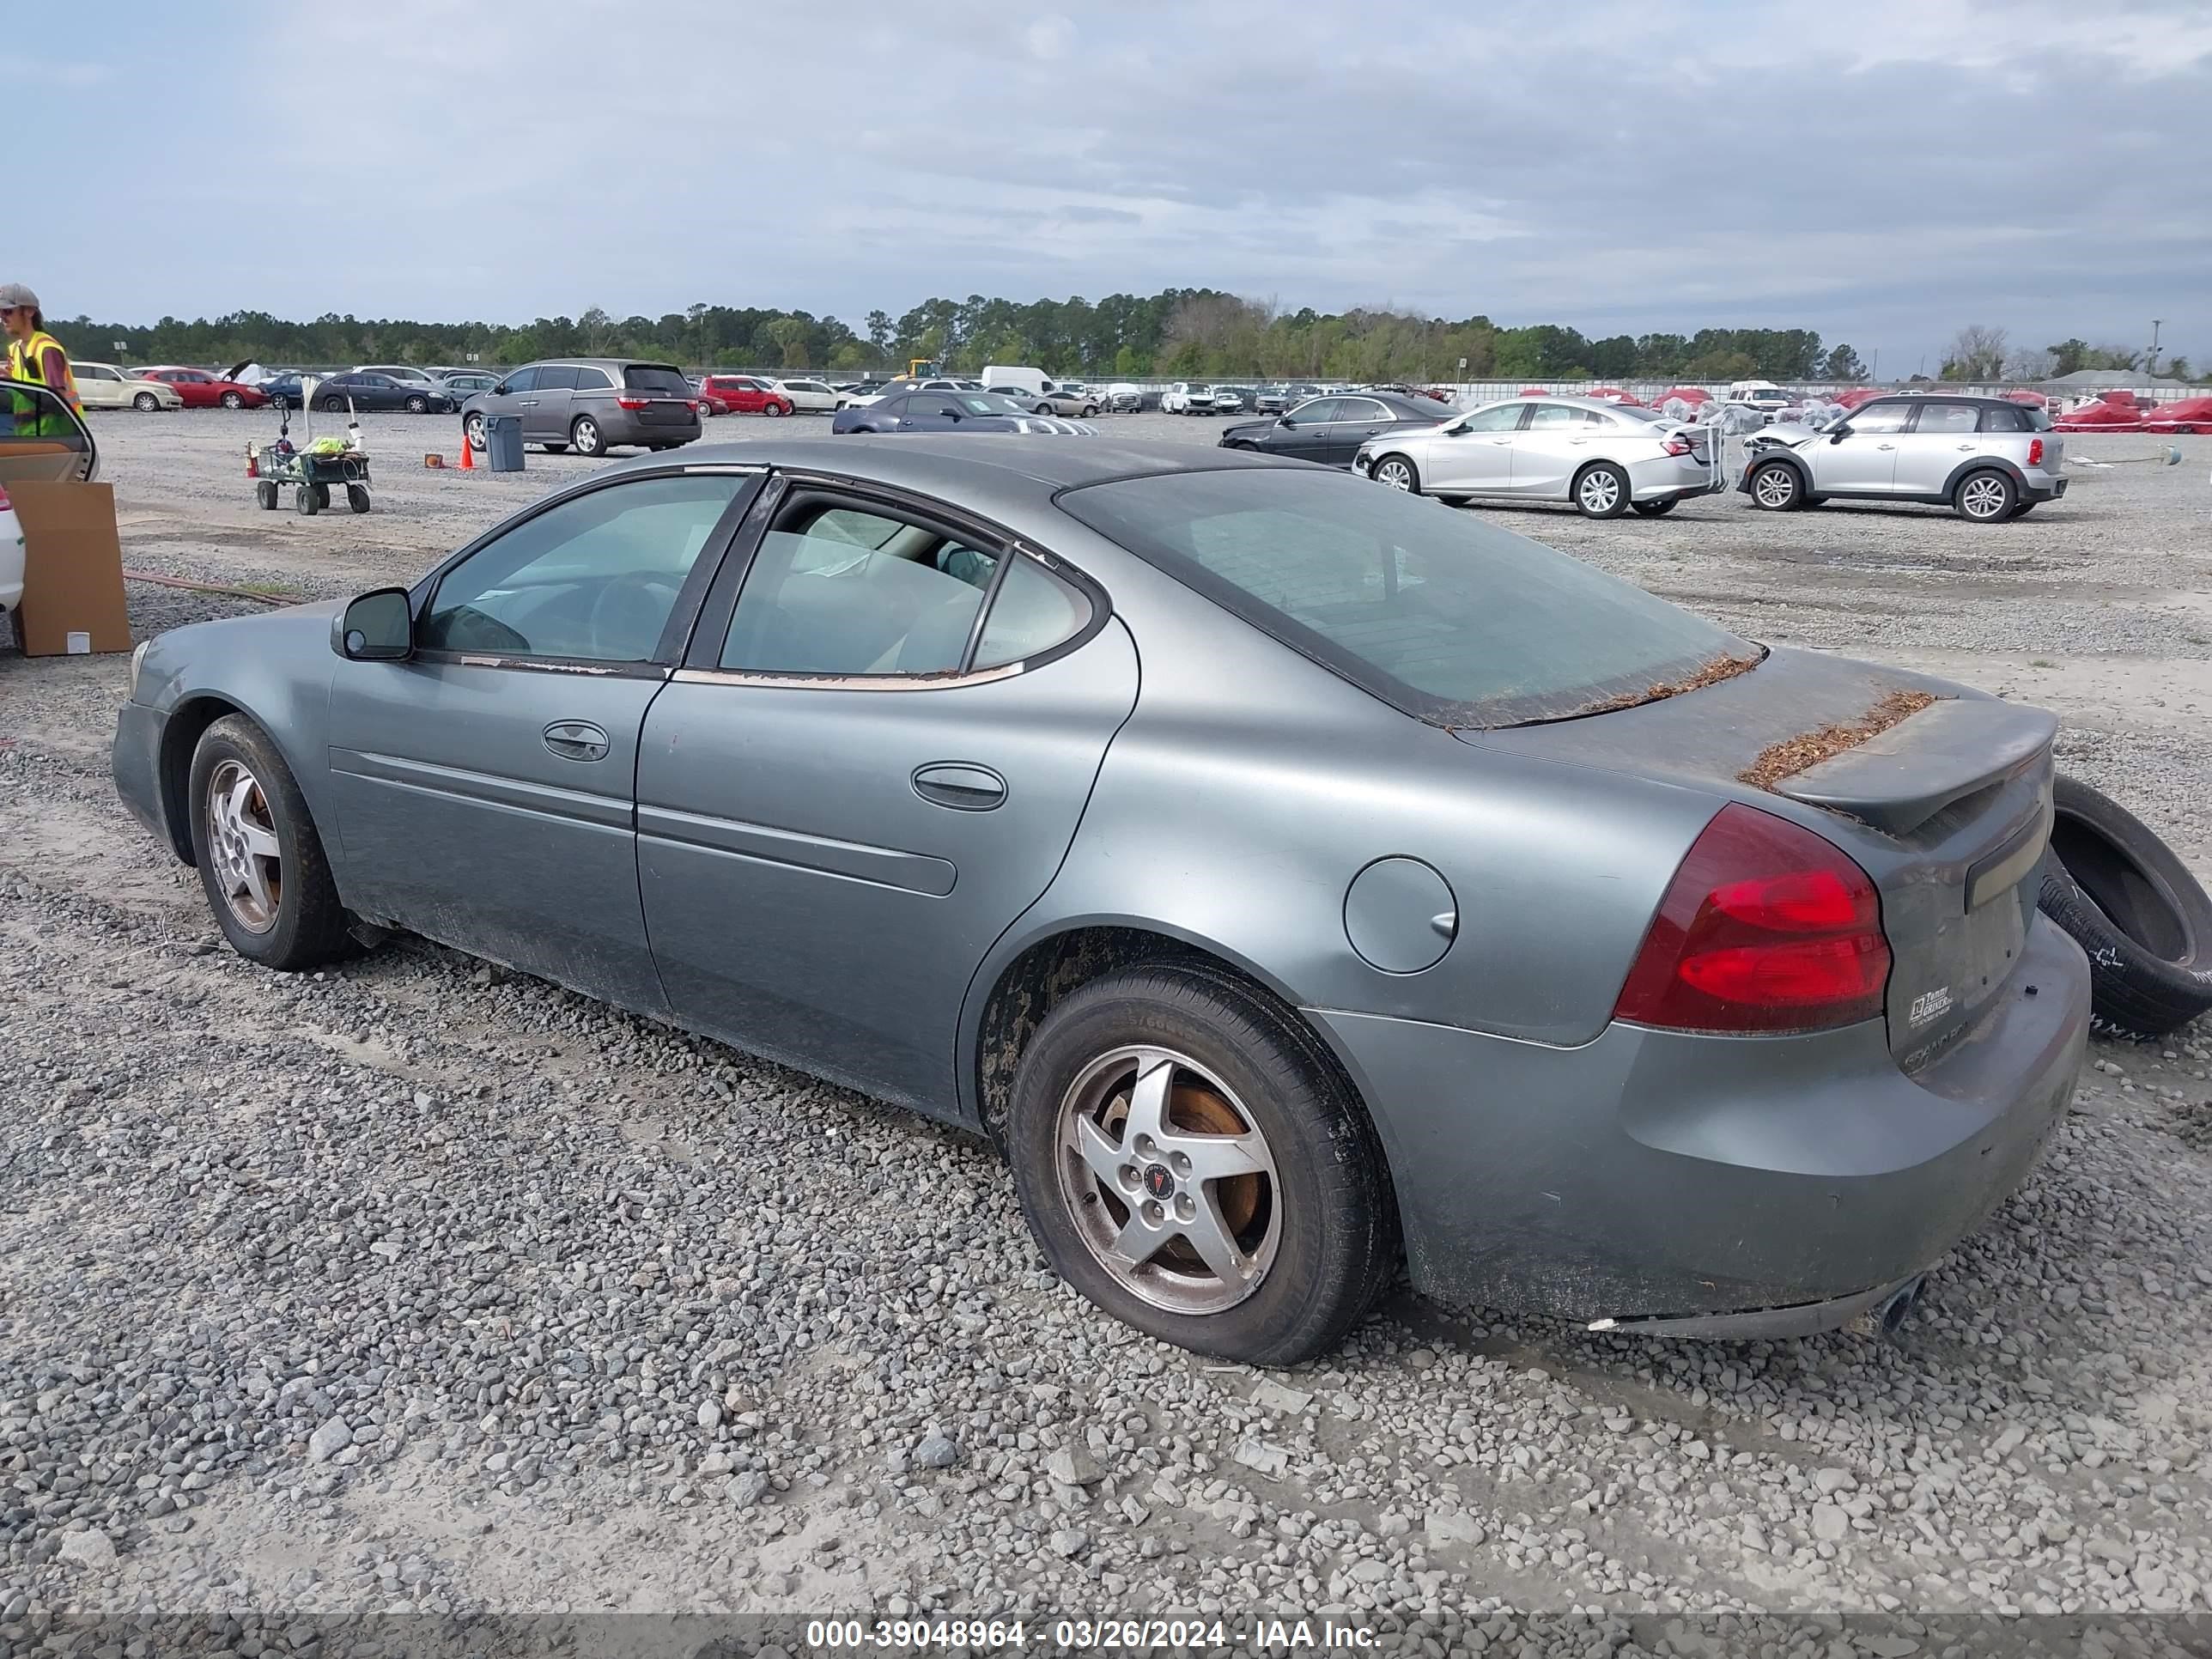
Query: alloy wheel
[(1774, 487), (1983, 496), (1598, 491), (1169, 1181), (1395, 473), (243, 848), (473, 431)]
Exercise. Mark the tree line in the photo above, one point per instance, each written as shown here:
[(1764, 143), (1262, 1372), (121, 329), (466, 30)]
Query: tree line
[(1981, 353), (1186, 333)]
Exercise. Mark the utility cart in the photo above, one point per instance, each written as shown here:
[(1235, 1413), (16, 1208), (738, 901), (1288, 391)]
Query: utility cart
[(310, 470)]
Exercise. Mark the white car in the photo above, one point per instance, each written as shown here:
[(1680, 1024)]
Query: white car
[(11, 558), (809, 397), (1125, 397), (104, 386), (1604, 458), (1184, 398)]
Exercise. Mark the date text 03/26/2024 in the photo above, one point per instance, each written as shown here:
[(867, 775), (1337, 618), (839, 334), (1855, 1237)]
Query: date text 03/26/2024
[(1092, 1635)]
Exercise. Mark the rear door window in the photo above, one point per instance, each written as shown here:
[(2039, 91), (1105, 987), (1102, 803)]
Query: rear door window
[(656, 380), (594, 380), (1940, 419), (556, 377), (1553, 416)]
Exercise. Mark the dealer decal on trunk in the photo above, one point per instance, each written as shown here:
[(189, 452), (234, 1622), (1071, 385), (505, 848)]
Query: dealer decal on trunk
[(1930, 1004)]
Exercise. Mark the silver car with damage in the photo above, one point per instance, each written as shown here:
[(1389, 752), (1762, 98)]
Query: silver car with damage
[(1288, 878), (1986, 458), (1607, 458)]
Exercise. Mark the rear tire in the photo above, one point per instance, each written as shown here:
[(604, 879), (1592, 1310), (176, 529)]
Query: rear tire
[(1988, 496), (264, 495), (333, 405), (1777, 488), (587, 438), (1655, 509), (776, 410), (2134, 906), (1314, 1226), (304, 500), (1600, 491), (357, 497), (277, 907)]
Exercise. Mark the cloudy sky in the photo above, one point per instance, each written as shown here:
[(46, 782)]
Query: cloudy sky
[(1883, 171)]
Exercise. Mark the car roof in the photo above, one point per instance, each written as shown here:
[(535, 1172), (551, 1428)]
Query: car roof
[(595, 363), (969, 468), (1942, 396)]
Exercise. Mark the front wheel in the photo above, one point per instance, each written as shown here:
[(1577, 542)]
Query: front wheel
[(232, 400), (1985, 497), (260, 858), (1396, 472), (418, 405), (146, 403), (304, 498), (264, 495), (555, 449), (1190, 1162), (1602, 491), (1776, 488), (587, 438), (778, 409), (1654, 509)]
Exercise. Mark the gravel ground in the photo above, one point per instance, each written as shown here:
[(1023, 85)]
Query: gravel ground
[(413, 1284)]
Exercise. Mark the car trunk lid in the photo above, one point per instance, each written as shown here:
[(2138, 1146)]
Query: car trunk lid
[(1947, 810)]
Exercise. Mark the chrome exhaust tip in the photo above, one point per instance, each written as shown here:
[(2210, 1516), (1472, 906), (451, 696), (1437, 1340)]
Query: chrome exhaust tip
[(1894, 1311)]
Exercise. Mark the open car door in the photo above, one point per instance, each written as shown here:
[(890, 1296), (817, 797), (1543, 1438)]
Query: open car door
[(41, 437)]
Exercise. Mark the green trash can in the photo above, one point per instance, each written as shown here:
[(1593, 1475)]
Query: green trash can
[(503, 442)]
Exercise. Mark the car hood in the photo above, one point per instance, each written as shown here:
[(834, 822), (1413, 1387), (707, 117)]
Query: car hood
[(1247, 430)]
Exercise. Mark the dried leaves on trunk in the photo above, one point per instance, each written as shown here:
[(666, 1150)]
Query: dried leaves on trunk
[(1791, 755)]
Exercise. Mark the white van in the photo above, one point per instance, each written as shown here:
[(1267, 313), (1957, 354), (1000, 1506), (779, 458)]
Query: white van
[(1033, 381)]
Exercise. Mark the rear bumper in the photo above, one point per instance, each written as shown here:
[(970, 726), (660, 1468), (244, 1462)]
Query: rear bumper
[(2043, 486), (1654, 1175), (135, 759), (1672, 477), (622, 427)]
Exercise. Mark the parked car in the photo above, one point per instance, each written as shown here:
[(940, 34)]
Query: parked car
[(1763, 397), (1604, 458), (1412, 890), (402, 372), (1186, 398), (1986, 458), (808, 396), (952, 411), (911, 383), (201, 389), (1330, 430), (460, 383), (42, 440), (1273, 400), (1064, 399), (591, 405), (1231, 399), (747, 394), (373, 390), (104, 386), (283, 388), (859, 392), (1124, 397)]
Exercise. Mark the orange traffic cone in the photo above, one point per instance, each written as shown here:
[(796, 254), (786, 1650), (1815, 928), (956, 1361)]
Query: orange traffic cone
[(252, 463), (468, 454)]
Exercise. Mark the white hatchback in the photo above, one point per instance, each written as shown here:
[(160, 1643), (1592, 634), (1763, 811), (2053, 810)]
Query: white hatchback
[(809, 397)]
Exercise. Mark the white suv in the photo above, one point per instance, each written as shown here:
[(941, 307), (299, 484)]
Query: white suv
[(1986, 458)]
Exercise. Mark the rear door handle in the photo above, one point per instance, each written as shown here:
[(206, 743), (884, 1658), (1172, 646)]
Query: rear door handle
[(576, 740), (960, 786), (1885, 445)]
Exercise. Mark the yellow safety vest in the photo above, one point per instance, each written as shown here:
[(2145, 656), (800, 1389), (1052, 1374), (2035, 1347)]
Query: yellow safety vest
[(25, 361)]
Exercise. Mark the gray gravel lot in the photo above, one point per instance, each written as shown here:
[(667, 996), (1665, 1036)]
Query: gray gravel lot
[(416, 1284)]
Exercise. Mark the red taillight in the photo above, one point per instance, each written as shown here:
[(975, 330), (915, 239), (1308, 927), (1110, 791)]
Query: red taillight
[(692, 404), (1676, 445), (2035, 452), (1765, 927), (632, 402)]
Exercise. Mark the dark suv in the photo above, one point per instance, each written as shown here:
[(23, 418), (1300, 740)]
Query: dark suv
[(591, 405)]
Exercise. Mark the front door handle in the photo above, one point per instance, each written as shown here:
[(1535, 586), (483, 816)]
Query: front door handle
[(576, 740), (1885, 445), (961, 786)]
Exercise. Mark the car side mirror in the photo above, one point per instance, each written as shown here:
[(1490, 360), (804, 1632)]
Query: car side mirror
[(1285, 420), (378, 627), (1838, 434)]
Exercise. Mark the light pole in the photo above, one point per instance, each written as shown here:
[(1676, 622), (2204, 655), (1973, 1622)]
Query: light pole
[(2150, 363)]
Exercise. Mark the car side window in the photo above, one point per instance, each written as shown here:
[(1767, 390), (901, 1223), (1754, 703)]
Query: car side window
[(2005, 418), (1880, 417), (1506, 417), (1552, 417), (1034, 611), (1941, 419), (891, 408), (593, 380), (1364, 408), (555, 377), (1320, 412), (919, 406), (523, 379), (856, 591), (595, 577)]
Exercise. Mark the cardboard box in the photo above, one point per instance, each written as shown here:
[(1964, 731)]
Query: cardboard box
[(73, 601)]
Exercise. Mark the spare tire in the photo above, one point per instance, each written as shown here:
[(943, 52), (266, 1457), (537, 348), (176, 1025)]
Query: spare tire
[(2134, 906)]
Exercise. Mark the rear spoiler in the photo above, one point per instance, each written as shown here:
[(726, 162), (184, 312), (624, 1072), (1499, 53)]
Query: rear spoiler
[(1898, 780)]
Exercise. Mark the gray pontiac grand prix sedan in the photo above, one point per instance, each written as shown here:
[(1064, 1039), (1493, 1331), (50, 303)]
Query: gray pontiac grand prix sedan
[(1292, 878)]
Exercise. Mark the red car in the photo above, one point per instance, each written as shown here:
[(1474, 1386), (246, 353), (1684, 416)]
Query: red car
[(741, 394), (201, 390)]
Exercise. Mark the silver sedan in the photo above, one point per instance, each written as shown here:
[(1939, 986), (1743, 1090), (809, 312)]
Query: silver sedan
[(1604, 458)]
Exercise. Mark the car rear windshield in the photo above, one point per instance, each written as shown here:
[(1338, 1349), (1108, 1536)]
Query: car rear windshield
[(657, 379), (1451, 619)]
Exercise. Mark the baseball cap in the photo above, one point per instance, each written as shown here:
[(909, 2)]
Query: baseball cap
[(14, 294)]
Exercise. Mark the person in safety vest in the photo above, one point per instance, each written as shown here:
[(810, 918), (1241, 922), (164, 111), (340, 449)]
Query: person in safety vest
[(35, 355)]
